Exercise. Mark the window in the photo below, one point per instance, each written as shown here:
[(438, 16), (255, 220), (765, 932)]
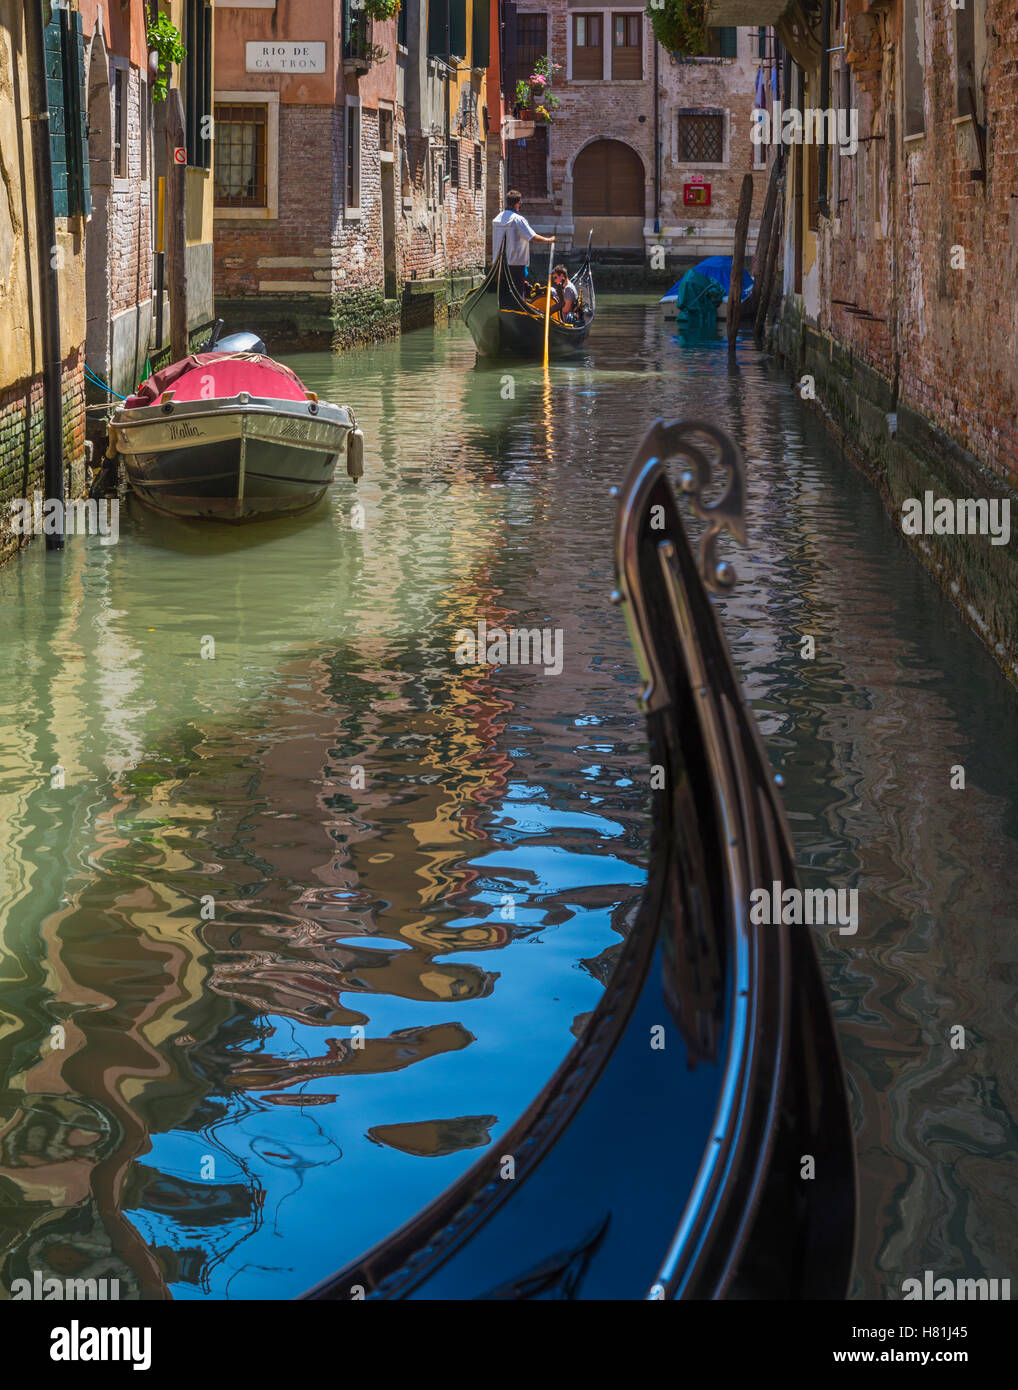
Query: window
[(68, 140), (353, 155), (627, 46), (701, 137), (144, 125), (358, 31), (401, 26), (447, 28), (528, 168), (242, 156), (965, 60), (198, 83), (531, 41), (588, 47), (385, 125), (453, 162), (914, 42), (120, 76), (478, 166), (722, 43)]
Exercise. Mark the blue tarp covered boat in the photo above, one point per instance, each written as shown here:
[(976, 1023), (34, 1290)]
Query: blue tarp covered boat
[(703, 290)]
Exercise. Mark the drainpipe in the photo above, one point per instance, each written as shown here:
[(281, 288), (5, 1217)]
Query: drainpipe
[(657, 144), (49, 279), (824, 164)]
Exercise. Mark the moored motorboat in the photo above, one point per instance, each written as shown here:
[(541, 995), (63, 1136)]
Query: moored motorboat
[(230, 434), (502, 323), (702, 292)]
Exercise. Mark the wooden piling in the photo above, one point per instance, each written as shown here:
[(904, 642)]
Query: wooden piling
[(767, 222), (739, 259), (764, 285), (176, 226)]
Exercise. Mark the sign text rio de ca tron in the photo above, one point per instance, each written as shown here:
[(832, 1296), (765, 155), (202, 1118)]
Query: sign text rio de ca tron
[(286, 57)]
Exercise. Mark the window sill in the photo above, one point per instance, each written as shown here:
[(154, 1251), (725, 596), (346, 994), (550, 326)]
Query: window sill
[(245, 214), (353, 214)]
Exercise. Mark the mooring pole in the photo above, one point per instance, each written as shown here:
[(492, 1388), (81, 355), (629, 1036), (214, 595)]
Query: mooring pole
[(739, 260), (547, 303)]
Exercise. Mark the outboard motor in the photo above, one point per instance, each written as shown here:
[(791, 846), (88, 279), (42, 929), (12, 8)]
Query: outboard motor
[(240, 342)]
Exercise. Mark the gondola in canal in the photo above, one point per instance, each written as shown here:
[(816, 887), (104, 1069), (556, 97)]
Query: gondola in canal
[(666, 1157), (230, 434), (504, 324)]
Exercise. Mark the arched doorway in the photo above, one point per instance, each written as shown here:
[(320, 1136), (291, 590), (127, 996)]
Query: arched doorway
[(608, 194), (97, 232)]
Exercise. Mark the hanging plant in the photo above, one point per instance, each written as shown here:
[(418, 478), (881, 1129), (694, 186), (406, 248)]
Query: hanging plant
[(680, 25), (381, 9), (534, 93), (165, 42)]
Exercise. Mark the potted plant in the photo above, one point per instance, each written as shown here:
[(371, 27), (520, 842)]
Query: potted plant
[(166, 47), (680, 25), (534, 98), (381, 10)]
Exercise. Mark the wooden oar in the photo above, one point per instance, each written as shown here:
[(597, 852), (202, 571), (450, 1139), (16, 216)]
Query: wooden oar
[(547, 302)]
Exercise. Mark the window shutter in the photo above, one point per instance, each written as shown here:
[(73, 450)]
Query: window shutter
[(77, 131), (481, 52), (729, 41), (438, 12), (458, 28), (205, 129), (57, 114)]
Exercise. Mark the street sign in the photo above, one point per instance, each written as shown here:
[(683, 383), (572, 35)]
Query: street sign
[(286, 57), (180, 156)]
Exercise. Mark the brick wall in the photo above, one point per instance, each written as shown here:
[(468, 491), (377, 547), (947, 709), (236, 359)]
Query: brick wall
[(944, 336), (22, 444), (131, 218), (318, 271)]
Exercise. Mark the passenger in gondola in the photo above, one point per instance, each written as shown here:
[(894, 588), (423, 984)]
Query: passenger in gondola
[(567, 299), (511, 227)]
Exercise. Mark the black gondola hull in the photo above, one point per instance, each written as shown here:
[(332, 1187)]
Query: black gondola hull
[(503, 325), (664, 1157)]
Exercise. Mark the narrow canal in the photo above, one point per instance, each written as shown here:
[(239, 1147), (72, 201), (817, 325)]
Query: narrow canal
[(299, 914)]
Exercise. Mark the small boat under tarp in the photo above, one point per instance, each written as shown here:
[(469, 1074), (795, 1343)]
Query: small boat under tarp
[(232, 435), (663, 1159), (702, 292), (503, 324)]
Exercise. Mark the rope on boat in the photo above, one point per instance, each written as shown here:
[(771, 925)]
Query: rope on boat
[(102, 385)]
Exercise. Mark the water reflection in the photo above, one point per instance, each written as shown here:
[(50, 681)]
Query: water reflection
[(291, 933)]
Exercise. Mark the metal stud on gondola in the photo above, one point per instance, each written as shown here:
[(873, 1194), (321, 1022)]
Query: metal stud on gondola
[(504, 324)]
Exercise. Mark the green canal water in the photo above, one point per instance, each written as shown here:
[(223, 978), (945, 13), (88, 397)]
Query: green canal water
[(298, 914)]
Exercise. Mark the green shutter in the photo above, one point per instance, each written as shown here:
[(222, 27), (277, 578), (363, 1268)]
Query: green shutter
[(481, 55), (458, 28), (729, 41), (54, 49), (437, 12), (77, 128)]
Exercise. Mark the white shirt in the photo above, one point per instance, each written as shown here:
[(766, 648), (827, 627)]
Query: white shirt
[(514, 229)]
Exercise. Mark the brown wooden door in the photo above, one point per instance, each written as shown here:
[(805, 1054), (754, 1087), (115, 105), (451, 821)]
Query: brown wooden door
[(608, 181)]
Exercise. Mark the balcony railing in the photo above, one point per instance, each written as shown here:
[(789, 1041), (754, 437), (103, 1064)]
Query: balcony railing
[(359, 50)]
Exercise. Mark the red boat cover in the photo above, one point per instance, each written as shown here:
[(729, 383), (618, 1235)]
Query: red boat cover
[(209, 376)]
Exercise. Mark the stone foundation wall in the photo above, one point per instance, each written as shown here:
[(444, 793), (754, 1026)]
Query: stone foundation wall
[(22, 444), (906, 455)]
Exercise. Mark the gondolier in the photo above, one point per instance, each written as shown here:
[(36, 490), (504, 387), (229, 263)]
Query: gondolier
[(511, 227)]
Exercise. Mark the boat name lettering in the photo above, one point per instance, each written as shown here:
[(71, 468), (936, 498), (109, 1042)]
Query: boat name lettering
[(184, 431)]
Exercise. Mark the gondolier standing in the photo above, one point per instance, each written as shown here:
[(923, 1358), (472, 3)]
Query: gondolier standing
[(511, 227)]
